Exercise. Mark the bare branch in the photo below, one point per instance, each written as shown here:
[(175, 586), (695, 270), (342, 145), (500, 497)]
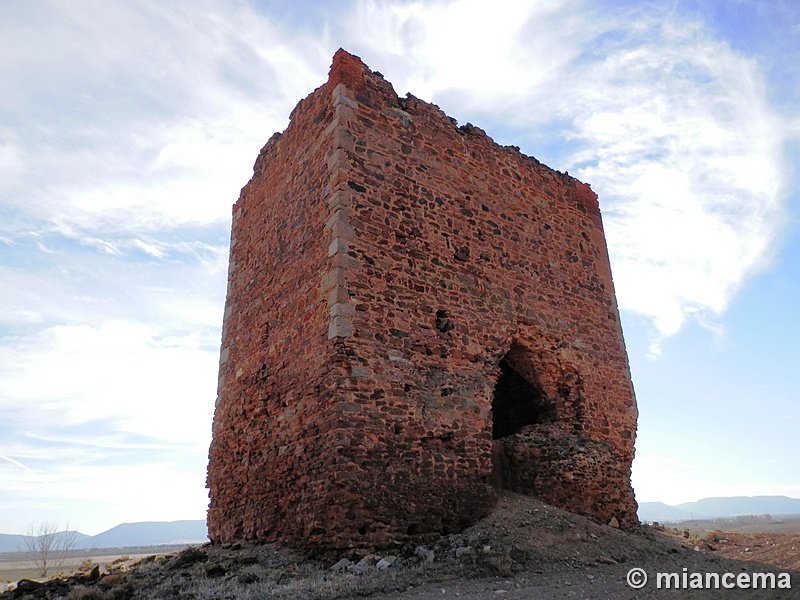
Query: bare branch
[(48, 547)]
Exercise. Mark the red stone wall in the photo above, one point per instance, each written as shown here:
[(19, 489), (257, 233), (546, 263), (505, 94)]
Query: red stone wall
[(273, 357), (383, 263)]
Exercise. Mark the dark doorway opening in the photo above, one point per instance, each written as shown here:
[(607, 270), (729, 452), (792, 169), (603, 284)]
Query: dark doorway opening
[(517, 402)]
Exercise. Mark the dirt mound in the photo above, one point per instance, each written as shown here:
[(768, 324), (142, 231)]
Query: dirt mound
[(523, 549)]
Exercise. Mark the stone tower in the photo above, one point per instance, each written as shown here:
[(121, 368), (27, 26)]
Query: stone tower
[(415, 316)]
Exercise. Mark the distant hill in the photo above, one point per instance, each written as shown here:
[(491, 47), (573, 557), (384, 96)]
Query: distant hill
[(149, 533), (715, 508), (744, 505), (10, 542), (16, 543), (153, 533), (658, 511)]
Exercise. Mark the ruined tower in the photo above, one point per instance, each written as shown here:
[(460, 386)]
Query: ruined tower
[(415, 316)]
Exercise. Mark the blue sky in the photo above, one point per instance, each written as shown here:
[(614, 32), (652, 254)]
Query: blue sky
[(127, 130)]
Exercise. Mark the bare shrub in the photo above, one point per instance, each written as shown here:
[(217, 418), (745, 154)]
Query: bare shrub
[(502, 565), (48, 547)]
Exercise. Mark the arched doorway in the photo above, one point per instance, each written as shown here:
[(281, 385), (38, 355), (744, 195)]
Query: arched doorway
[(519, 401), (518, 397)]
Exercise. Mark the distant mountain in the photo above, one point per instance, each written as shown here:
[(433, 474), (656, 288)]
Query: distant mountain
[(658, 511), (149, 533), (715, 508), (16, 543), (10, 542), (152, 533), (744, 505)]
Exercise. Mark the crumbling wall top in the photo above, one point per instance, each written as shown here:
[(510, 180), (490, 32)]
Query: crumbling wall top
[(349, 70)]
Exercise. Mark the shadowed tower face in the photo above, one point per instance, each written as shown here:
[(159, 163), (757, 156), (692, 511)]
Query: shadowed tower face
[(415, 316)]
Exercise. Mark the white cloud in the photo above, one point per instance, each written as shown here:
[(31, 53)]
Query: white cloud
[(140, 116), (151, 249), (685, 153), (71, 283), (127, 130), (671, 127), (116, 416), (793, 129), (662, 478), (95, 497), (437, 47), (147, 384)]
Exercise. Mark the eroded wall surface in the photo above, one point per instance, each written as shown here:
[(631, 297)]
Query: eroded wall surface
[(393, 278)]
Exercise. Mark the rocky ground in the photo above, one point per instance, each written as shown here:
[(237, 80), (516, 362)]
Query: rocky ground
[(781, 550), (524, 549)]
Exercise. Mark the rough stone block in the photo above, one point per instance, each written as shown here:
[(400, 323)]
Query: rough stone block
[(338, 245), (343, 310), (340, 327)]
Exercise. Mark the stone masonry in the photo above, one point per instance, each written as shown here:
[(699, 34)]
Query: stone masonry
[(415, 316)]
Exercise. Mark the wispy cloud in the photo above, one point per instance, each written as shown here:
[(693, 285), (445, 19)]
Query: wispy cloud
[(17, 463), (115, 416), (127, 130), (671, 127), (146, 382), (146, 118), (94, 497), (685, 152), (74, 283)]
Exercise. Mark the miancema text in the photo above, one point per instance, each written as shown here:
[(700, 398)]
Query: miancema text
[(688, 580)]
